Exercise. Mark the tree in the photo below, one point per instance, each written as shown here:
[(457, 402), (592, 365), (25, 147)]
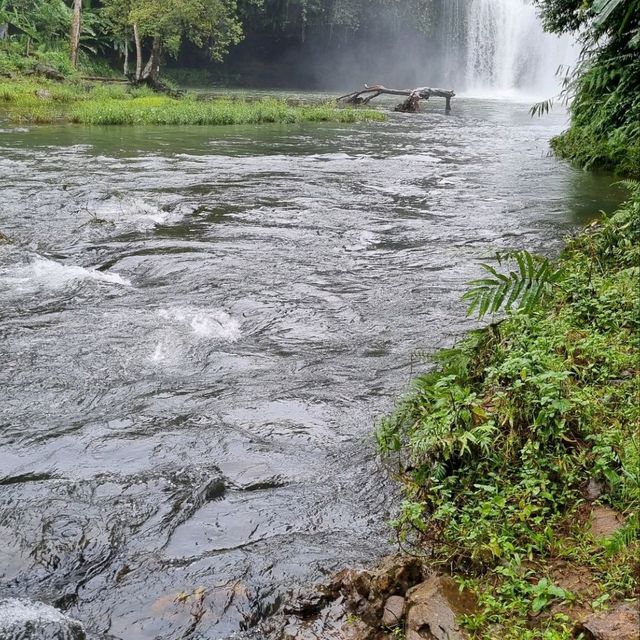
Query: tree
[(213, 25), (604, 88), (75, 31)]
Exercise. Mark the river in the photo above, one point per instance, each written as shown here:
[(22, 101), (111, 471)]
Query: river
[(201, 326)]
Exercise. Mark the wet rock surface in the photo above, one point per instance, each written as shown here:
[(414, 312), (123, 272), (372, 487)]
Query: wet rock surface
[(434, 608), (369, 605), (622, 622), (25, 620)]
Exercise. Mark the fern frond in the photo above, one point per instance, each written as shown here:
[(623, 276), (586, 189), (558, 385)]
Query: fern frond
[(523, 287), (622, 538)]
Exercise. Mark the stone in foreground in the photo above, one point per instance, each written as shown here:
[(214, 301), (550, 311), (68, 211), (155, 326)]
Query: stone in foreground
[(620, 623), (393, 611), (434, 608), (26, 620)]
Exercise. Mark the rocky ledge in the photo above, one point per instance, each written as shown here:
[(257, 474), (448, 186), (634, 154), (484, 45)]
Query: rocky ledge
[(403, 598)]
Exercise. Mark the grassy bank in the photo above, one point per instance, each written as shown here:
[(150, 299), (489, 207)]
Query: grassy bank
[(49, 102), (524, 431), (618, 152)]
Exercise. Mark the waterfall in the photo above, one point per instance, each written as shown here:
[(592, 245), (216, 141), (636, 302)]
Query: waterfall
[(499, 48)]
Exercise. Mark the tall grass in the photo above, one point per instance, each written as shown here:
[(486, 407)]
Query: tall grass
[(166, 111), (122, 105)]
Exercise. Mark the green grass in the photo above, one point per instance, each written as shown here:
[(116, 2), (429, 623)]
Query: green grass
[(496, 445), (122, 105)]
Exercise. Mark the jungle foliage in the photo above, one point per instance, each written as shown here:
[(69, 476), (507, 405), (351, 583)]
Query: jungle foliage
[(604, 88), (497, 445), (139, 34)]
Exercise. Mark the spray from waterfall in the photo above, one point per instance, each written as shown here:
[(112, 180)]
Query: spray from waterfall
[(506, 50)]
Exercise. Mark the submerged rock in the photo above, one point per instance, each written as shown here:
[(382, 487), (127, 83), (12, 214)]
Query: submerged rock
[(27, 620)]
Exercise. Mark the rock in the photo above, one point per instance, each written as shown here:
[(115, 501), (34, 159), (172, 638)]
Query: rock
[(393, 611), (594, 490), (366, 592), (433, 609), (620, 623), (23, 619), (605, 522), (43, 94), (48, 72), (356, 605)]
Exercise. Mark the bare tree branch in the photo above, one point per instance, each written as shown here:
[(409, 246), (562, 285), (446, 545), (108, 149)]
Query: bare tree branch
[(411, 104)]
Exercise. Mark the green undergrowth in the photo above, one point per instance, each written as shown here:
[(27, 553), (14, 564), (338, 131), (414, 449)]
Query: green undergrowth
[(497, 445), (605, 115), (51, 102), (618, 152)]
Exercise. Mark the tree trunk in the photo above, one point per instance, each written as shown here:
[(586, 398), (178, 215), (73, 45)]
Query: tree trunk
[(75, 31), (138, 41), (151, 72), (410, 105), (125, 64)]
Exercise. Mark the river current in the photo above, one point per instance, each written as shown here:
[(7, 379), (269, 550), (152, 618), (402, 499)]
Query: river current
[(200, 327)]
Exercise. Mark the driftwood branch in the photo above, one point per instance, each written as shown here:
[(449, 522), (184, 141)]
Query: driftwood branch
[(411, 104)]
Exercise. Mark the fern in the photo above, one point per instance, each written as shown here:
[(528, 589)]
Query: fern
[(624, 537), (523, 288)]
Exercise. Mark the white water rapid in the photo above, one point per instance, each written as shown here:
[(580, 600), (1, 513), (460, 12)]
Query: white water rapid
[(501, 49)]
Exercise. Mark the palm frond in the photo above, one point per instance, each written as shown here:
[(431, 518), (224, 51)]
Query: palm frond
[(522, 288)]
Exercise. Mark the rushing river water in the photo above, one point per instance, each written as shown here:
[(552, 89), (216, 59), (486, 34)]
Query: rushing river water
[(200, 327)]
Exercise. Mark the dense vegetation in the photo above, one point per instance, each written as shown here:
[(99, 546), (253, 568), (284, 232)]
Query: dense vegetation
[(139, 34), (45, 41), (605, 86), (498, 445), (47, 102)]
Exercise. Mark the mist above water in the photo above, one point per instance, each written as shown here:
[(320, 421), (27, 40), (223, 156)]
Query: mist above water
[(486, 48)]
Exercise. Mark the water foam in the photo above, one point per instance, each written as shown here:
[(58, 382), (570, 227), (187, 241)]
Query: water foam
[(130, 209), (27, 619), (43, 273), (215, 323)]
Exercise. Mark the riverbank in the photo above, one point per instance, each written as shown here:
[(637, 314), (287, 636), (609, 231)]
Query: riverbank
[(519, 458), (616, 151), (519, 453), (45, 102)]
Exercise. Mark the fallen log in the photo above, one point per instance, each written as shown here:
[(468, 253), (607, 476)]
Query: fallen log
[(410, 105), (105, 79)]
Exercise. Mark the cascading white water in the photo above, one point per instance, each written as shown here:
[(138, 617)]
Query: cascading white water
[(498, 48), (507, 51)]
